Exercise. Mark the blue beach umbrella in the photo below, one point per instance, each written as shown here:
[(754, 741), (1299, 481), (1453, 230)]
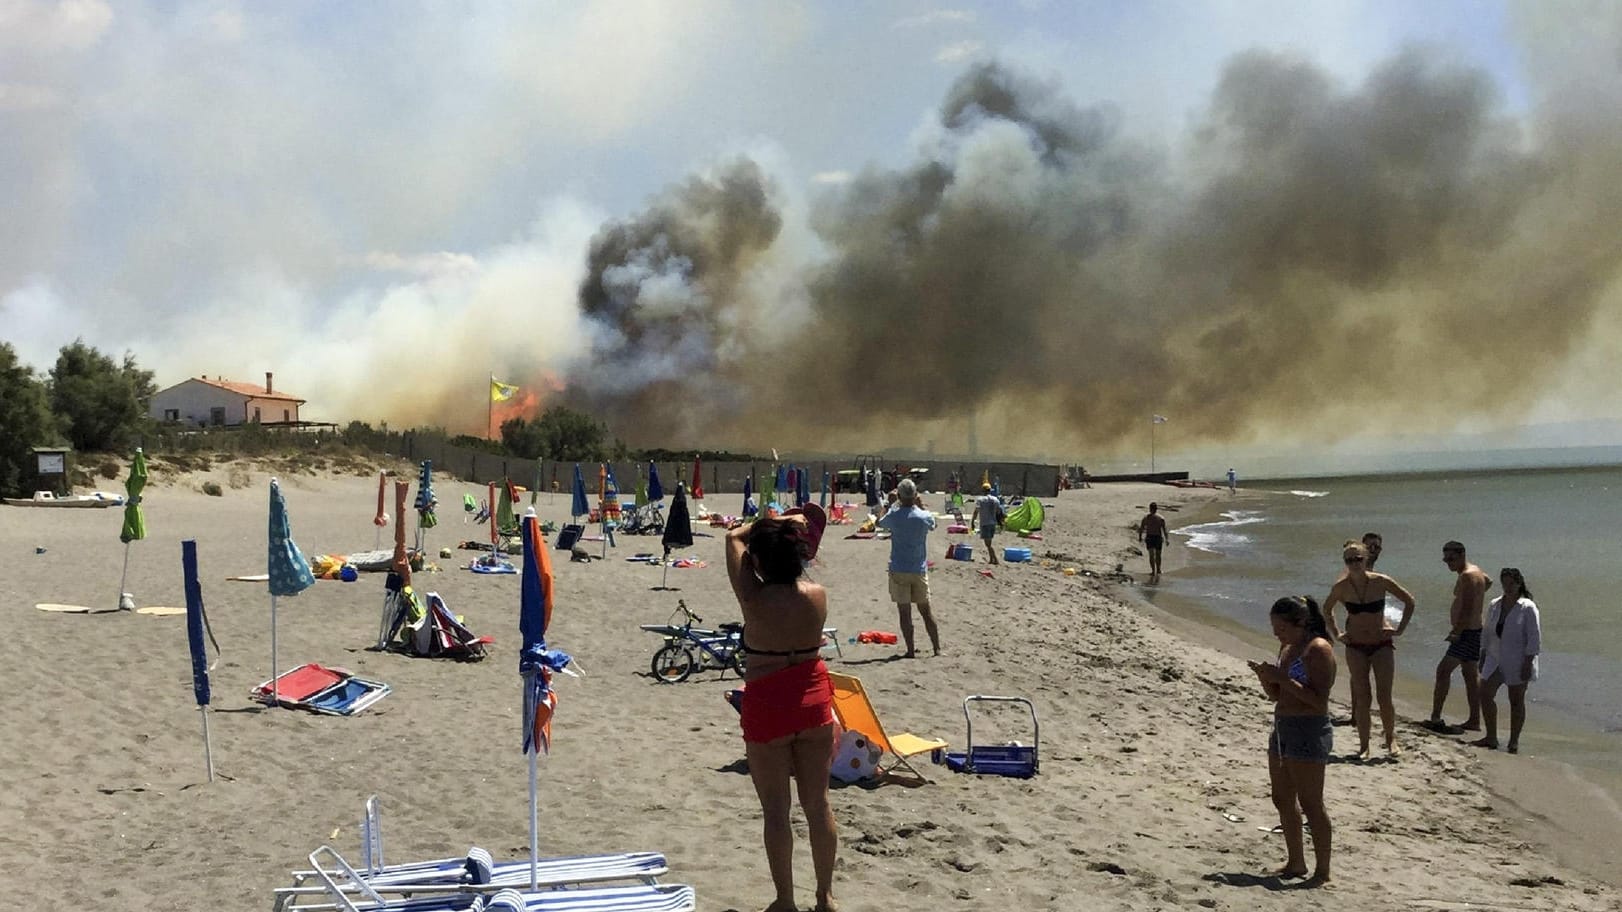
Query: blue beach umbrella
[(803, 495), (426, 502), (196, 625), (822, 496), (536, 663), (579, 506), (289, 571), (781, 482), (678, 529), (871, 480), (749, 508), (656, 491)]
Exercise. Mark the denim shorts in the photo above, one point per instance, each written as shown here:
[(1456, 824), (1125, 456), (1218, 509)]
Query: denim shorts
[(1308, 738)]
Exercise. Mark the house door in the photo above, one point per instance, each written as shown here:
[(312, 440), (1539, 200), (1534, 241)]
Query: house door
[(216, 415)]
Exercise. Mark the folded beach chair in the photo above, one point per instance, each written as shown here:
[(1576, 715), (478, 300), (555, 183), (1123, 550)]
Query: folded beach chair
[(472, 874), (347, 891), (333, 691), (856, 713)]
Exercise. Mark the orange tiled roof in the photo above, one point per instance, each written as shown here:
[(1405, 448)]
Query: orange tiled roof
[(256, 390)]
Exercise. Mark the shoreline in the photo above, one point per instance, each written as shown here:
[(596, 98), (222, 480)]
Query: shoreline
[(1571, 810)]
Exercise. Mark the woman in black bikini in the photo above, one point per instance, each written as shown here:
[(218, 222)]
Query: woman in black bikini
[(1370, 640), (1302, 738)]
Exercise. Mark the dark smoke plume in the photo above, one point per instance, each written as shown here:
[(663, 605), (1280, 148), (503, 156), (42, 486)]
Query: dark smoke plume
[(1316, 261)]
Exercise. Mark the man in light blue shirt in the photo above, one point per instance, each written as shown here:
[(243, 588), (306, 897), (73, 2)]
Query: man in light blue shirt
[(909, 525)]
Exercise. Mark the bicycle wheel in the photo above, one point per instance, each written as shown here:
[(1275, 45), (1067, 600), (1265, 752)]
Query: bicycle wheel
[(673, 663)]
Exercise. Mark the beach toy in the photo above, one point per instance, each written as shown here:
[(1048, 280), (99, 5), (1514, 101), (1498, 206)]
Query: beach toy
[(960, 552), (881, 637), (1016, 555), (349, 574), (1070, 571), (1011, 759)]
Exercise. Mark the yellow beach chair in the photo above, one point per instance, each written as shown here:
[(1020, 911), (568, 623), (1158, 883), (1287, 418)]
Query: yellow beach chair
[(855, 712)]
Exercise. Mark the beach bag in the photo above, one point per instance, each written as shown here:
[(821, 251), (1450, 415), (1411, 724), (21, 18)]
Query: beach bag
[(855, 758)]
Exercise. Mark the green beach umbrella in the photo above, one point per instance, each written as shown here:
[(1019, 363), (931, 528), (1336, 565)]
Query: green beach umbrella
[(134, 518)]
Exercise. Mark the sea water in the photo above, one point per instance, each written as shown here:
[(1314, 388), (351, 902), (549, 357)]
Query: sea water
[(1559, 526)]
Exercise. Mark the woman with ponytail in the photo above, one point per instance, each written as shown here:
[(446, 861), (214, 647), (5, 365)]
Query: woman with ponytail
[(1302, 737)]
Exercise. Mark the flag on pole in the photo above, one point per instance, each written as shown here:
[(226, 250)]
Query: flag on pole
[(501, 392), (1160, 419)]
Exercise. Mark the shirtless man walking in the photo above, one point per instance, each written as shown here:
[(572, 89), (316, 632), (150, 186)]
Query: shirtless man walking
[(1152, 533), (1463, 638)]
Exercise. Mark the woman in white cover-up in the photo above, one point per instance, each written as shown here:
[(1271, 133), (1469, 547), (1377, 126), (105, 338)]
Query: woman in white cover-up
[(1511, 641)]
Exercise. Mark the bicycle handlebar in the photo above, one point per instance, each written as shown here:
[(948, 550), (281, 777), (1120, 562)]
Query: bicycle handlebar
[(682, 604)]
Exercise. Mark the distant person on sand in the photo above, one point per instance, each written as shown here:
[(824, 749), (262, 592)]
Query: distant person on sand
[(1233, 481), (909, 526), (787, 707), (1152, 533), (1370, 640), (1302, 738), (988, 507), (1514, 637), (1464, 640)]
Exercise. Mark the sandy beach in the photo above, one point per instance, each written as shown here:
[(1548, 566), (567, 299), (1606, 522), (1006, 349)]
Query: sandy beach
[(1153, 792)]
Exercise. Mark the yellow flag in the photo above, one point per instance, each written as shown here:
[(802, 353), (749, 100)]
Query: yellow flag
[(501, 392)]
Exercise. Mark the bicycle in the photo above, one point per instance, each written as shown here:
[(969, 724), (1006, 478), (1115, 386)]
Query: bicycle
[(688, 648)]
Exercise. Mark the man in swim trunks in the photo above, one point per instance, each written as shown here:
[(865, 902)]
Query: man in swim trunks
[(1463, 638), (1152, 533)]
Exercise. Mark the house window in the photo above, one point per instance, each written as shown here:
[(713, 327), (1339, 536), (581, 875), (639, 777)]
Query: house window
[(216, 415), (256, 414), (171, 414)]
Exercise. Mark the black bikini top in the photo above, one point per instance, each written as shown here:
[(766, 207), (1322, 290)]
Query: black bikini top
[(1365, 607)]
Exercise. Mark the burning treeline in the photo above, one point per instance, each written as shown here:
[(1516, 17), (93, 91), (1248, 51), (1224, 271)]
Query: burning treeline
[(1315, 259)]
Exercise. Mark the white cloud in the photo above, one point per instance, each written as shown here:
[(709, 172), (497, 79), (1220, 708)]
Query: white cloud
[(45, 27), (831, 177), (959, 51), (935, 17)]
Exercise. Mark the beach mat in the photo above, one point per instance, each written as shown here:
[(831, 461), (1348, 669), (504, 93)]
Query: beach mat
[(250, 578), (74, 609), (161, 610)]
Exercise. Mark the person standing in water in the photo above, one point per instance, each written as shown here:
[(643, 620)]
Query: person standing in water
[(1152, 533)]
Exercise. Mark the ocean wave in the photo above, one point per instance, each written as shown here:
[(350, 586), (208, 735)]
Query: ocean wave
[(1310, 493), (1218, 537)]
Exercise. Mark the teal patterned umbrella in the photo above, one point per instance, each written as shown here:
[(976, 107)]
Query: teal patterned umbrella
[(289, 571)]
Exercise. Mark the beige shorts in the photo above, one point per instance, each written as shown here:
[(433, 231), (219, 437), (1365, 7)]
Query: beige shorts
[(909, 588)]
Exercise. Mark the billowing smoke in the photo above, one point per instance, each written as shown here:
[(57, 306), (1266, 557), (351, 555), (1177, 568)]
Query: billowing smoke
[(1314, 260), (668, 298)]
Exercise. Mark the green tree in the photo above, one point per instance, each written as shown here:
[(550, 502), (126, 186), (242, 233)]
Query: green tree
[(561, 433), (101, 403), (25, 422)]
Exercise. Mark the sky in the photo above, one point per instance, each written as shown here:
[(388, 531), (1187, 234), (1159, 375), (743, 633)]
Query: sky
[(937, 220)]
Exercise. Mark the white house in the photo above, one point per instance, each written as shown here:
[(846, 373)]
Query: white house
[(205, 401)]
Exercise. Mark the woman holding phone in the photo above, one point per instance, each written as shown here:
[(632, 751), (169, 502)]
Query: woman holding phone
[(1302, 737)]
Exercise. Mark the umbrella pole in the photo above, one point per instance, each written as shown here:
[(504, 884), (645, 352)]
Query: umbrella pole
[(534, 827), (275, 688), (208, 749), (124, 577)]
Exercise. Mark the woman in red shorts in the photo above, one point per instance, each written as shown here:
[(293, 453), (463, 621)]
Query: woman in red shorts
[(787, 706)]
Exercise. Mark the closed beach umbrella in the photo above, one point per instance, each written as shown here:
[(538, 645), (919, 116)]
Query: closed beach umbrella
[(536, 663), (678, 529), (871, 480), (579, 506), (426, 502), (289, 571), (822, 496), (641, 498), (656, 491), (780, 483), (749, 508), (698, 479), (382, 518), (803, 494), (134, 517), (196, 625)]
